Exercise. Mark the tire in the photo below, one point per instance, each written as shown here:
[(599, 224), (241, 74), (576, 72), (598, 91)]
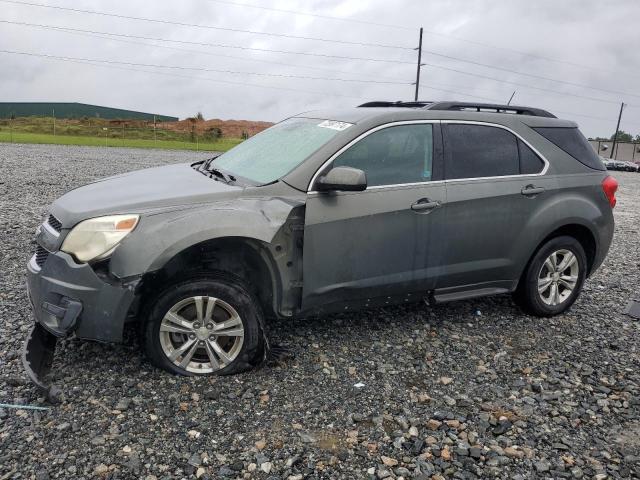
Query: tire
[(550, 302), (211, 325)]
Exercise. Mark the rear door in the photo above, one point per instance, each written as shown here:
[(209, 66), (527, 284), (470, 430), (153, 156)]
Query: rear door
[(378, 242), (494, 184)]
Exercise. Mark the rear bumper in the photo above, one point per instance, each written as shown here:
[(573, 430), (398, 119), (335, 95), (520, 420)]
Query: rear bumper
[(603, 242), (68, 297)]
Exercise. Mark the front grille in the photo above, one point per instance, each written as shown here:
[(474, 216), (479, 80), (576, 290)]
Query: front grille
[(54, 223), (41, 256)]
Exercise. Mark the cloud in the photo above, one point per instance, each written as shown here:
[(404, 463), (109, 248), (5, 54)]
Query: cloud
[(597, 46)]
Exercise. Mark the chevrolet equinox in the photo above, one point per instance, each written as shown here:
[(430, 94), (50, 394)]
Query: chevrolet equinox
[(387, 203)]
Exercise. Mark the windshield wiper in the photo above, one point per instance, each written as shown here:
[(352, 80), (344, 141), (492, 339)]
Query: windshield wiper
[(220, 174), (206, 167), (208, 161)]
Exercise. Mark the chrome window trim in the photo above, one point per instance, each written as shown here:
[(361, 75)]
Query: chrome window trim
[(432, 182), (360, 137), (517, 135)]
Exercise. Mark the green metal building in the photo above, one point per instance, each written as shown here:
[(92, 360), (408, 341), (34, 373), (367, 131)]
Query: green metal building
[(74, 110)]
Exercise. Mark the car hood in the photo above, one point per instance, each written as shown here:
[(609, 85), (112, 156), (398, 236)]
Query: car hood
[(153, 189)]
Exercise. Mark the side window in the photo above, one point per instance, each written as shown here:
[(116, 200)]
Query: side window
[(393, 155), (480, 151), (529, 161)]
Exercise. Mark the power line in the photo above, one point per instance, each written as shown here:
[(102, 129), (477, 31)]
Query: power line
[(539, 77), (128, 65), (490, 91), (305, 38), (199, 69), (216, 80), (593, 117), (208, 27), (191, 77), (110, 36), (309, 14), (428, 87), (74, 30), (206, 44), (556, 92), (519, 52), (550, 108), (93, 12), (451, 57), (429, 32)]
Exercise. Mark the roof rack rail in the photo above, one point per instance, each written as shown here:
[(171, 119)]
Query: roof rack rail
[(490, 107), (399, 103)]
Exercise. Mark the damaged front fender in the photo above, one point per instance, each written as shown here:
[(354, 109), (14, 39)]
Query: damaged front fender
[(159, 237)]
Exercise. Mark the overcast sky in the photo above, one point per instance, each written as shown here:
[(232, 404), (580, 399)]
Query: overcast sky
[(591, 43)]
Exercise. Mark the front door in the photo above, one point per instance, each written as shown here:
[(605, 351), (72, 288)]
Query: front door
[(382, 241)]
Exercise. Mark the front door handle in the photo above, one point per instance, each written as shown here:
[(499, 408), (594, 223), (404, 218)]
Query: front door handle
[(424, 205), (531, 190)]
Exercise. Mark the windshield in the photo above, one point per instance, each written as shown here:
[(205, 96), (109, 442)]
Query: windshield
[(271, 154)]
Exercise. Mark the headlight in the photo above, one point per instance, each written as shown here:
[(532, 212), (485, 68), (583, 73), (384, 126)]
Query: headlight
[(95, 238)]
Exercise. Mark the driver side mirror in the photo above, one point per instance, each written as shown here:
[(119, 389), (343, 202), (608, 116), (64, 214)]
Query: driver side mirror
[(344, 179)]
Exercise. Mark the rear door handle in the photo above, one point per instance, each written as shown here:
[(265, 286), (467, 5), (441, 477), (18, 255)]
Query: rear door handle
[(424, 204), (530, 190)]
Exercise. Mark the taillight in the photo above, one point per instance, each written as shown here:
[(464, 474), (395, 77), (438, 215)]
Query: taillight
[(609, 187)]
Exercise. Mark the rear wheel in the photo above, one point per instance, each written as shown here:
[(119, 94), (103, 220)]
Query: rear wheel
[(554, 277), (205, 326)]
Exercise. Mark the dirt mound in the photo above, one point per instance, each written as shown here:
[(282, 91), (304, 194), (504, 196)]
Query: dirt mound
[(229, 128)]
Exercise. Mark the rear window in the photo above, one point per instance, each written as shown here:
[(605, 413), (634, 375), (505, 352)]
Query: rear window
[(572, 142), (478, 151)]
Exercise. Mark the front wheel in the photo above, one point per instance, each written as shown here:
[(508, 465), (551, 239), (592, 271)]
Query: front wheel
[(554, 277), (205, 326)]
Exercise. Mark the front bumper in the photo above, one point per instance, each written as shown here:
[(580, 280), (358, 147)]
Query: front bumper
[(37, 358), (69, 298)]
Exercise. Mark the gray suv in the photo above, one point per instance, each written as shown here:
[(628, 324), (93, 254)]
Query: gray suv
[(326, 211)]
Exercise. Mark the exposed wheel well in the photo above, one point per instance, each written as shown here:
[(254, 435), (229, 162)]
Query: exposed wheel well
[(241, 257), (580, 233)]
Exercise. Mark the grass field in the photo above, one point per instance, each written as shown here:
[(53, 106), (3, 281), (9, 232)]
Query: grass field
[(101, 132), (221, 145)]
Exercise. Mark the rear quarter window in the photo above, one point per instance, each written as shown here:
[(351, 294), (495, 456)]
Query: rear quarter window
[(530, 163), (571, 141)]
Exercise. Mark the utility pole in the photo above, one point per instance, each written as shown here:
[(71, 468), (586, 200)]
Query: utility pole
[(512, 95), (154, 130), (54, 122), (615, 135), (419, 65)]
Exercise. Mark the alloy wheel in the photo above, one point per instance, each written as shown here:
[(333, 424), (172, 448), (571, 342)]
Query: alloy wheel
[(201, 334), (558, 277)]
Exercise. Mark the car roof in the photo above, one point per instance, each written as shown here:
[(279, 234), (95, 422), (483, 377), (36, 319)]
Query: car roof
[(389, 114), (366, 118)]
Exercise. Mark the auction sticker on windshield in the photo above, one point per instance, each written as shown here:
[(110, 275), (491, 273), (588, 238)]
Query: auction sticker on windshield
[(335, 125)]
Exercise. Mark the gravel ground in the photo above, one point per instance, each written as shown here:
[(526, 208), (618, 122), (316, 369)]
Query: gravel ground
[(471, 389)]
